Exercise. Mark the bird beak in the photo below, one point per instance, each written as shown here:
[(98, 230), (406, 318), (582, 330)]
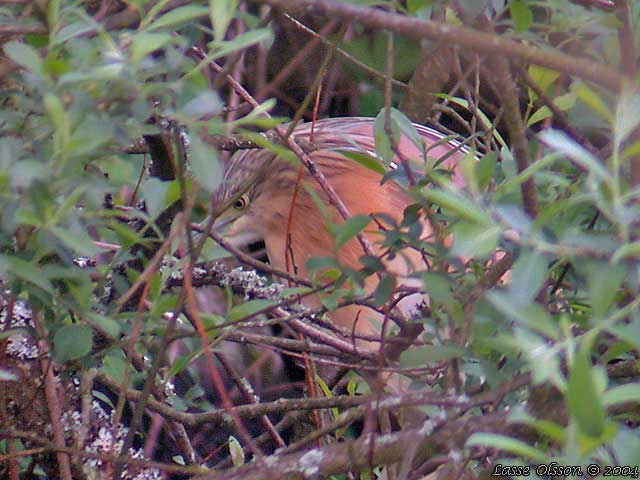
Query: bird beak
[(234, 230), (221, 224)]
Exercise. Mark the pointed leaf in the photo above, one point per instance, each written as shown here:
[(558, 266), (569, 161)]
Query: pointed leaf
[(350, 228), (583, 398), (72, 342)]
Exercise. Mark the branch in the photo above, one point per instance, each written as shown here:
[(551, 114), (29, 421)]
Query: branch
[(382, 450), (8, 29), (516, 128), (601, 74)]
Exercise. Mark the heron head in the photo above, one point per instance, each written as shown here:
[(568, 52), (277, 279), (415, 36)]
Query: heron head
[(251, 198)]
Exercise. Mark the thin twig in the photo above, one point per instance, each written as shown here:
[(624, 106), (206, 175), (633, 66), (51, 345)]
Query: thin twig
[(53, 400)]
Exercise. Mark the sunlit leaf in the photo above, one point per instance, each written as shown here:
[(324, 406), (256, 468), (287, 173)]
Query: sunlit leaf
[(520, 14), (236, 451), (542, 76)]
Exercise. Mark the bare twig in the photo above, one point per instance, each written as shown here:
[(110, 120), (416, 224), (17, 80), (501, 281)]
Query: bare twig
[(8, 29), (515, 126), (53, 400)]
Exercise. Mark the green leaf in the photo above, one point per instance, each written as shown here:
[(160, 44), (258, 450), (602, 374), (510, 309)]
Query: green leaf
[(221, 13), (365, 159), (248, 309), (381, 137), (145, 43), (527, 314), (205, 103), (543, 77), (438, 287), (240, 42), (592, 100), (583, 398), (327, 393), (115, 365), (562, 102), (546, 427), (179, 16), (106, 325), (350, 228), (235, 449), (627, 113), (71, 201), (621, 394), (406, 127), (507, 444), (24, 55), (179, 364), (561, 142), (384, 290), (72, 342), (542, 113), (603, 280), (205, 164), (102, 73), (58, 116), (527, 276), (471, 240), (485, 168), (76, 240), (626, 250), (459, 205), (414, 5), (521, 15), (156, 195), (26, 271), (421, 356), (53, 14)]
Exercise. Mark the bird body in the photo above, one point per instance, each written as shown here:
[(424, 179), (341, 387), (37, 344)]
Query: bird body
[(274, 203)]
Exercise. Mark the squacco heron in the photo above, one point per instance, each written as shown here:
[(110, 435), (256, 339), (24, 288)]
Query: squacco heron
[(269, 200)]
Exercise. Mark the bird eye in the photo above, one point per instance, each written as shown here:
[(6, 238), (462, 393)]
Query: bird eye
[(242, 202)]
